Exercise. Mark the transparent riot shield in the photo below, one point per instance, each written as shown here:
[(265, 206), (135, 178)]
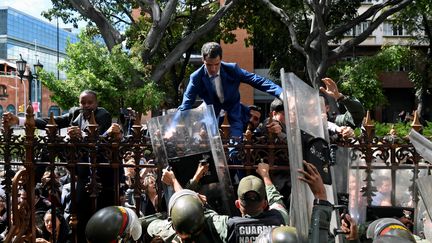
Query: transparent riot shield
[(183, 139), (303, 116), (425, 191), (423, 214), (422, 145), (346, 183), (356, 202)]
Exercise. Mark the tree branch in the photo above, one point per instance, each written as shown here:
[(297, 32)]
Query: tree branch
[(119, 20), (285, 19), (374, 9), (360, 38), (110, 35), (319, 11), (190, 39), (155, 9), (428, 32), (128, 13), (156, 32)]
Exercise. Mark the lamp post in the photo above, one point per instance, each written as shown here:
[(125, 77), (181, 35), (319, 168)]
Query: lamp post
[(24, 71), (21, 66), (37, 67)]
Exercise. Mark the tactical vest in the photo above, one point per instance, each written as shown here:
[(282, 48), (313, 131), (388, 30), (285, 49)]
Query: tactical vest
[(245, 229)]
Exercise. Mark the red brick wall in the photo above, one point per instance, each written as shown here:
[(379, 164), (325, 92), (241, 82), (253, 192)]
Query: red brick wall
[(237, 52), (10, 100), (10, 81)]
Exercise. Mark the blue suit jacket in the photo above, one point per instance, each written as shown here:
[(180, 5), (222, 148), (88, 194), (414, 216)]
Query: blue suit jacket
[(231, 76)]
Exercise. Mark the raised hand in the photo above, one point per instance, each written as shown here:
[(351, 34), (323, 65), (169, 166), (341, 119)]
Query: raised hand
[(312, 177), (331, 88)]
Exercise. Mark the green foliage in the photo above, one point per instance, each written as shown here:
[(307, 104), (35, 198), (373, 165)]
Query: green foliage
[(111, 74), (357, 132), (382, 129), (402, 129), (190, 15), (64, 93), (427, 130), (360, 77), (150, 48)]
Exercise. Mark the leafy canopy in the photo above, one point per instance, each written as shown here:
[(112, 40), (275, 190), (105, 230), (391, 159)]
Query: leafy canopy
[(111, 74), (360, 77)]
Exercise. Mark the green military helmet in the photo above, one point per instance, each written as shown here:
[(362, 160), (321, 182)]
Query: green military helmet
[(281, 234), (186, 212), (389, 230), (113, 223)]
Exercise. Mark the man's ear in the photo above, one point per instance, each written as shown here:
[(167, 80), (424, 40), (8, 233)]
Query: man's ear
[(265, 205), (237, 203)]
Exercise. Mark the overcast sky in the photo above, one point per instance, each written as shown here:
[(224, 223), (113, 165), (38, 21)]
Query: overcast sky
[(32, 7)]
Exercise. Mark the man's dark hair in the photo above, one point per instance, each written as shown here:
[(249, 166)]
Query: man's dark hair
[(211, 50), (87, 91), (276, 105), (324, 96), (255, 108)]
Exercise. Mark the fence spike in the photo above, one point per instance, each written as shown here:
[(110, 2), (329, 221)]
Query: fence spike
[(368, 124), (416, 125)]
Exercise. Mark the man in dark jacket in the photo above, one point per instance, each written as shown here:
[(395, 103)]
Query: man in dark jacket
[(77, 121), (76, 117)]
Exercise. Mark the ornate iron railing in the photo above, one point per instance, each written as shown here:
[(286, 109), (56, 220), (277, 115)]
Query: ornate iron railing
[(22, 158)]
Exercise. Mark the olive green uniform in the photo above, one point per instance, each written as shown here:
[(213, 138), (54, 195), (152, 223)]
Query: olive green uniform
[(215, 224)]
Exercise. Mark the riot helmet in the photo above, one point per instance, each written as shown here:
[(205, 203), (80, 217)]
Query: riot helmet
[(113, 223), (388, 229), (186, 212), (280, 234)]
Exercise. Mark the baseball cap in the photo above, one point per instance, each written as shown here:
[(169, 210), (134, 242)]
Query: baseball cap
[(251, 189), (388, 227)]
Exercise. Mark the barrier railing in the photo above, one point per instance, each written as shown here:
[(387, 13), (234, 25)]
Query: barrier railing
[(95, 164)]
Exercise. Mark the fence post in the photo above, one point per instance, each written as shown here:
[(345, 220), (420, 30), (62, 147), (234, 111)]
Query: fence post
[(416, 125), (30, 127)]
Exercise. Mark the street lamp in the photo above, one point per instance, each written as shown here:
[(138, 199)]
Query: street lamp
[(21, 66), (24, 71), (37, 68)]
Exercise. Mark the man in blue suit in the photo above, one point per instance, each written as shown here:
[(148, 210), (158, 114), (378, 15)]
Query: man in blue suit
[(217, 83)]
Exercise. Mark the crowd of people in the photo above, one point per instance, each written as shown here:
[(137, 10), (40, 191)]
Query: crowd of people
[(262, 198)]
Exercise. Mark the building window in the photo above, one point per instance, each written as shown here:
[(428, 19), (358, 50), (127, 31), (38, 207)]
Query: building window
[(391, 29), (358, 29), (11, 108), (3, 92), (55, 110)]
